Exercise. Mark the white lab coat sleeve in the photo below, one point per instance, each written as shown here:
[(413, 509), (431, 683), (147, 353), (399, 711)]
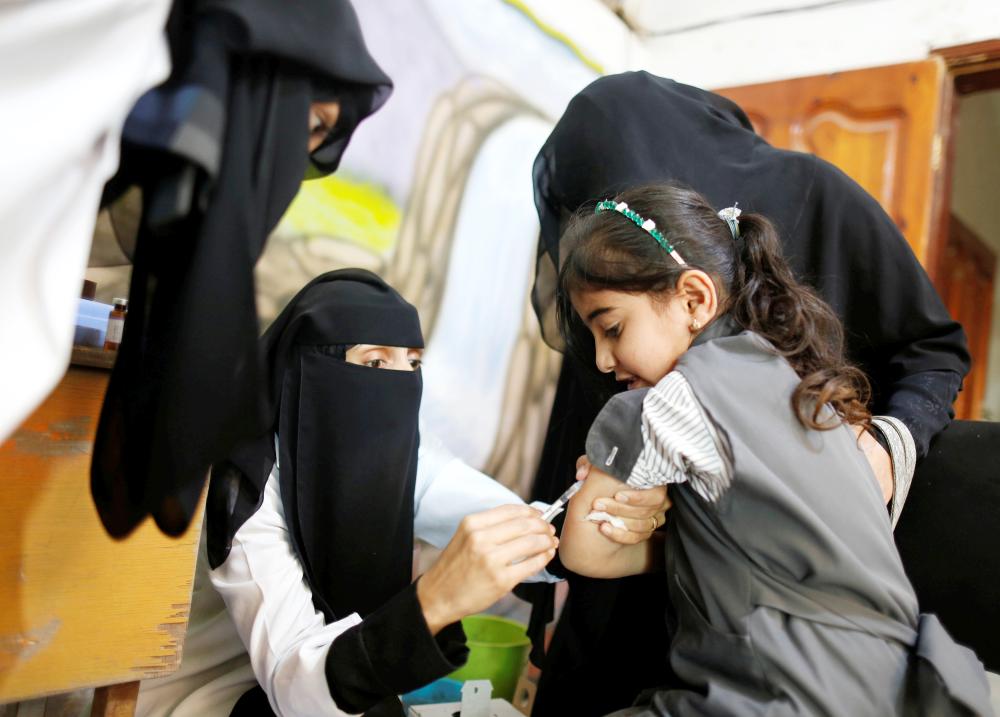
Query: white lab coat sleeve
[(266, 594)]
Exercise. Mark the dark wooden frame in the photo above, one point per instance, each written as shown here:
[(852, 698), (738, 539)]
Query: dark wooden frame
[(977, 264), (973, 67)]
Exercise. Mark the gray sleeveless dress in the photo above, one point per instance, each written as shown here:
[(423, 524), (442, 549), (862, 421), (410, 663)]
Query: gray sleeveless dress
[(789, 593)]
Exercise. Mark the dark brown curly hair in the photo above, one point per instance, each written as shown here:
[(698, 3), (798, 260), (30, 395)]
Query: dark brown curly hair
[(755, 284)]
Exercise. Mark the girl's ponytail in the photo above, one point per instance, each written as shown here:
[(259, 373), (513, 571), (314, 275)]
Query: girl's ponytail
[(766, 298)]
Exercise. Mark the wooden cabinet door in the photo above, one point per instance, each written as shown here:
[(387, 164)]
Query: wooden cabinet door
[(882, 126), (887, 128), (77, 607)]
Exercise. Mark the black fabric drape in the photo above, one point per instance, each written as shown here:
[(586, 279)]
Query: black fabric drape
[(637, 128), (219, 151)]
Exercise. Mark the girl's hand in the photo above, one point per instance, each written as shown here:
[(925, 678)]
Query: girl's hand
[(489, 554), (878, 459), (637, 508)]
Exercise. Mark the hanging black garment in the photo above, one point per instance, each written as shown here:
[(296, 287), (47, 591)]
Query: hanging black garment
[(219, 151), (347, 458), (636, 128)]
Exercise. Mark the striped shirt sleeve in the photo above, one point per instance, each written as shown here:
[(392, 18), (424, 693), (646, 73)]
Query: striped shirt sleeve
[(680, 443)]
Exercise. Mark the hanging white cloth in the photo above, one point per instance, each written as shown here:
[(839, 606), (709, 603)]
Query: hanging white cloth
[(72, 71)]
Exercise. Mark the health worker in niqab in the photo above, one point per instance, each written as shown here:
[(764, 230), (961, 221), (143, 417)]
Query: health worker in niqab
[(636, 128), (260, 94), (310, 528)]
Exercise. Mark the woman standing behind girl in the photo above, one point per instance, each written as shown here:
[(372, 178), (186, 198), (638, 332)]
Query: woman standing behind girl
[(789, 591)]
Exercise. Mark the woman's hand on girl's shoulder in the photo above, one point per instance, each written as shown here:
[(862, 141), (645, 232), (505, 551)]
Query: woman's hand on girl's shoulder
[(642, 511)]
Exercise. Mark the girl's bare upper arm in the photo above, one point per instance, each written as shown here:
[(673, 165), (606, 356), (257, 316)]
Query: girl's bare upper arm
[(582, 547)]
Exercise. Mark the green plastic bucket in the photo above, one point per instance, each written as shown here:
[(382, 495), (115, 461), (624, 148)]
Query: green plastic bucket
[(498, 650)]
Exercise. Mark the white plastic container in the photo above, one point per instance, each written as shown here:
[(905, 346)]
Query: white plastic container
[(91, 323)]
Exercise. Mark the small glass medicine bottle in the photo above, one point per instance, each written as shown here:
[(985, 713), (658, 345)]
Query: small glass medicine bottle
[(116, 324)]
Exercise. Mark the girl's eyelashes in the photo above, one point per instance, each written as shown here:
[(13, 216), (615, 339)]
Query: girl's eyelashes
[(375, 363), (613, 332), (416, 363)]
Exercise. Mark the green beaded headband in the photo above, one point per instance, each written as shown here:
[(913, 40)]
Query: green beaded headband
[(646, 224)]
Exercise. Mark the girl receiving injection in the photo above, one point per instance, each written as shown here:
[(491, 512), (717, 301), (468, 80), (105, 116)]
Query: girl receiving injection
[(789, 591)]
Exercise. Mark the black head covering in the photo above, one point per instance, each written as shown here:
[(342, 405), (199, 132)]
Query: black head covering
[(347, 438), (602, 145), (636, 128), (219, 151)]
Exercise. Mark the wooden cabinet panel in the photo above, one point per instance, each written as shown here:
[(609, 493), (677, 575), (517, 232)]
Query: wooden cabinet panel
[(881, 126), (887, 128), (78, 608)]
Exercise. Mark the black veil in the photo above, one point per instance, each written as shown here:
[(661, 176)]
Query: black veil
[(219, 151), (348, 438)]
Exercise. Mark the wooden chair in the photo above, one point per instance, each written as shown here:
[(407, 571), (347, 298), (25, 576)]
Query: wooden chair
[(77, 608)]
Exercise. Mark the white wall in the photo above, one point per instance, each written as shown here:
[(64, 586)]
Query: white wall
[(719, 43), (975, 191), (723, 43)]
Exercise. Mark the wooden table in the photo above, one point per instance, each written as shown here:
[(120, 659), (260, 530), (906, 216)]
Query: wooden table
[(77, 608)]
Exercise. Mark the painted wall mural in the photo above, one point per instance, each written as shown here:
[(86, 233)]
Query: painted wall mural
[(434, 194)]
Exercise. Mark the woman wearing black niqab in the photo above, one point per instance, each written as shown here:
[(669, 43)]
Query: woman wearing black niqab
[(335, 422), (347, 440), (219, 151), (636, 128), (303, 602)]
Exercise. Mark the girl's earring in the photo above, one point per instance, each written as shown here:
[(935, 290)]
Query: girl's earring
[(695, 325)]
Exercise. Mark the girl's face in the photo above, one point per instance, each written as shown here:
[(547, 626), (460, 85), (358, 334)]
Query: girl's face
[(396, 358), (636, 337)]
